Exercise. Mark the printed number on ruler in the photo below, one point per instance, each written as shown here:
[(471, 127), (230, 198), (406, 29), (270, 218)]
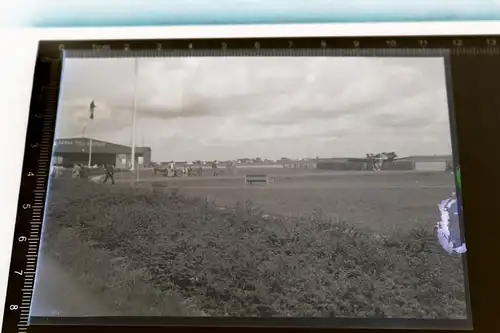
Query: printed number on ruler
[(491, 41), (21, 239)]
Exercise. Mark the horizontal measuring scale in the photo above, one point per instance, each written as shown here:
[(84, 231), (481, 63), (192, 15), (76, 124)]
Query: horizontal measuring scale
[(43, 148)]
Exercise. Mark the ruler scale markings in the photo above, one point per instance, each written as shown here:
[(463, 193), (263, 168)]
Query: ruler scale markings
[(51, 93)]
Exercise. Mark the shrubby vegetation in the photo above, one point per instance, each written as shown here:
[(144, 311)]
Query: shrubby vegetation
[(238, 261)]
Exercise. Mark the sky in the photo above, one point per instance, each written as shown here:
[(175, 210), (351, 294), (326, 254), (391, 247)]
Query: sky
[(203, 108)]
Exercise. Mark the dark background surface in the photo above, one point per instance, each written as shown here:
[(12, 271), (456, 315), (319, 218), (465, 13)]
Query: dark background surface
[(474, 72)]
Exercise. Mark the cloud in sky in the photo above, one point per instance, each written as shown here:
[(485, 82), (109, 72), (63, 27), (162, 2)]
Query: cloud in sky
[(269, 107)]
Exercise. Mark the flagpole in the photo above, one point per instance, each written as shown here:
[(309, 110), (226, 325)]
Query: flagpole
[(91, 118), (134, 121), (90, 140), (90, 152)]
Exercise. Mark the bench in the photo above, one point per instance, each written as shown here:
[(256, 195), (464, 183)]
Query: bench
[(256, 178)]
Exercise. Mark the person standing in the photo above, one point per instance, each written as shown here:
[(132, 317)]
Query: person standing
[(82, 170), (76, 172), (110, 174)]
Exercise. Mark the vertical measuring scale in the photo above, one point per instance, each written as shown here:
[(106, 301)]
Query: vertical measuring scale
[(36, 167), (35, 174), (42, 176)]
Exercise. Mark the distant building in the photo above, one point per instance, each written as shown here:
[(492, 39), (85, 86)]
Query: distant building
[(298, 164), (70, 151), (429, 162)]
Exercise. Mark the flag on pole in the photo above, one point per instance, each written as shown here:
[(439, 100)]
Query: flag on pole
[(92, 107)]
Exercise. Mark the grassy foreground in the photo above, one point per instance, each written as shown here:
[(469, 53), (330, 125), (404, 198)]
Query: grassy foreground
[(152, 253)]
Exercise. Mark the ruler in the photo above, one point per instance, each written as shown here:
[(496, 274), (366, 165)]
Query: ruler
[(45, 93), (31, 202), (459, 45)]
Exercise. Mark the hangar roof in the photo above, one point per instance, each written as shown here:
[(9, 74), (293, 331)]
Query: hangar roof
[(81, 145), (428, 158)]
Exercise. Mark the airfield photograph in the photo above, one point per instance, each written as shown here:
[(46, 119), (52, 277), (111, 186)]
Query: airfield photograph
[(250, 187)]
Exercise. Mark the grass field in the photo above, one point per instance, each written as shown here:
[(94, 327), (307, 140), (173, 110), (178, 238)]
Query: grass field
[(384, 202), (309, 244)]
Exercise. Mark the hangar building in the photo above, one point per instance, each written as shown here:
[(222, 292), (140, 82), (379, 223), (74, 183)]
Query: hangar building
[(430, 162), (70, 151)]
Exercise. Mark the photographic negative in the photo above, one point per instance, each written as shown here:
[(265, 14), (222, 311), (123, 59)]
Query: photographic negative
[(253, 187)]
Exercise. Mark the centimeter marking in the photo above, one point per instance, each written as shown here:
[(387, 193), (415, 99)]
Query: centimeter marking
[(32, 198), (290, 52), (27, 244), (354, 46)]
